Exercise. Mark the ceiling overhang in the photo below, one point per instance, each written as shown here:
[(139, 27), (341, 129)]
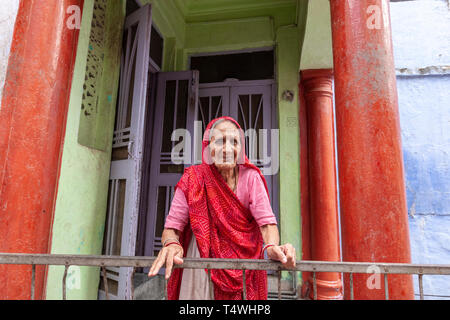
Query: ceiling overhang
[(209, 10)]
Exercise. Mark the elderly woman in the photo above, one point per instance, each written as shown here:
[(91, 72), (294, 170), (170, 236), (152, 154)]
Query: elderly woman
[(224, 204)]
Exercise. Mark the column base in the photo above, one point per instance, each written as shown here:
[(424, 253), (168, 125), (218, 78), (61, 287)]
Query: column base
[(327, 290)]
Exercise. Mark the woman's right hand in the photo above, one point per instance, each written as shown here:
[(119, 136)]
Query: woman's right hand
[(168, 255)]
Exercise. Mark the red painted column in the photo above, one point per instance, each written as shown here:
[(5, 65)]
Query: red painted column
[(32, 118), (324, 225), (371, 174)]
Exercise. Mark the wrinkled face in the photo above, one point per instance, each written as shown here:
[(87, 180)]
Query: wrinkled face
[(225, 145)]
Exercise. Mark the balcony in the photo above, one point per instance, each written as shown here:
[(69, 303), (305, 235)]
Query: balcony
[(314, 267)]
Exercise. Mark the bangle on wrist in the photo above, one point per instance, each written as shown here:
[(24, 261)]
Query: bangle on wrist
[(173, 240), (267, 246)]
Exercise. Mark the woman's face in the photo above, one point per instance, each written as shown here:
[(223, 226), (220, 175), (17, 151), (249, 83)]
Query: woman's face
[(225, 145)]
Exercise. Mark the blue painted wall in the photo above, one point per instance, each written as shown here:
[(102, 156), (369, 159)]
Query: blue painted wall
[(421, 38), (425, 121)]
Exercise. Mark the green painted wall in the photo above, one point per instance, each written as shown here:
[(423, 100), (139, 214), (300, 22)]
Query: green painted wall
[(83, 185), (282, 12), (219, 36), (288, 58), (317, 50), (171, 24), (169, 21)]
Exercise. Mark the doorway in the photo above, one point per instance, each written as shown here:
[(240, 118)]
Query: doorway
[(151, 106), (190, 100)]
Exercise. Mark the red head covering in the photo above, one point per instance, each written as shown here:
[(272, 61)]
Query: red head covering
[(223, 227)]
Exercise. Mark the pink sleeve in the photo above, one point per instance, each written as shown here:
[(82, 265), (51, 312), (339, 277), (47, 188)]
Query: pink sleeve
[(259, 203), (179, 212)]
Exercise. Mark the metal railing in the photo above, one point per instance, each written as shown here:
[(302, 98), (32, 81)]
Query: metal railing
[(313, 267)]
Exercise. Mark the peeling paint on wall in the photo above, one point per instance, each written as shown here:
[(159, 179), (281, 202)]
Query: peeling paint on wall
[(423, 71)]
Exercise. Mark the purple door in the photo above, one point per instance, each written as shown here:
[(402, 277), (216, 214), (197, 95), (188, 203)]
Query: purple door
[(127, 151)]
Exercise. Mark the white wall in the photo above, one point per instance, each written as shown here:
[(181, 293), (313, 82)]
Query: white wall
[(420, 33), (8, 13)]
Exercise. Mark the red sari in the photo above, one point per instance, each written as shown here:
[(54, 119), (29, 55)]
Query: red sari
[(223, 228)]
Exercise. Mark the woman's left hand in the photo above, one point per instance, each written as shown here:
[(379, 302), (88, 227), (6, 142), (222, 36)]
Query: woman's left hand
[(284, 253)]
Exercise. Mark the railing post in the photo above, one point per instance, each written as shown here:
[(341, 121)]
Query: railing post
[(352, 297), (105, 282), (386, 289), (314, 286), (132, 283), (33, 276), (66, 268), (279, 284), (244, 286), (421, 286), (211, 286), (294, 282), (166, 297)]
